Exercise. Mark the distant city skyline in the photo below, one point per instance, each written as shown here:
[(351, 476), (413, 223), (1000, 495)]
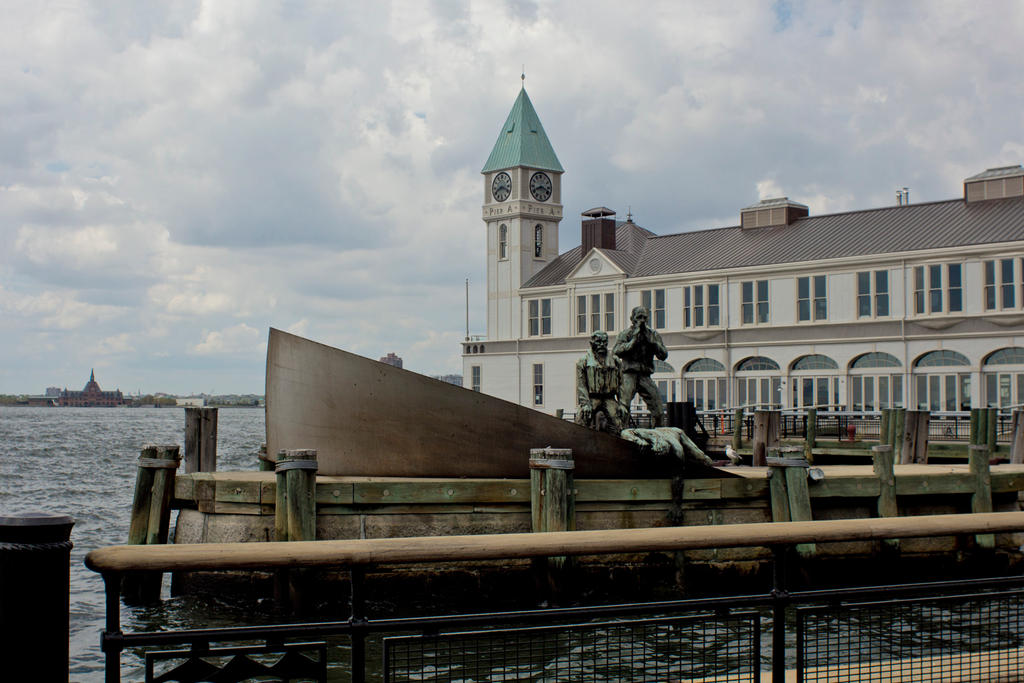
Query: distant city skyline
[(177, 179)]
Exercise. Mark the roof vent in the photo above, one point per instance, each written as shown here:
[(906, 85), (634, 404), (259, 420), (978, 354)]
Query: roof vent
[(772, 212), (598, 229), (995, 183)]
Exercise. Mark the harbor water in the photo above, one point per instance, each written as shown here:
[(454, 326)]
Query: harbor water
[(82, 462)]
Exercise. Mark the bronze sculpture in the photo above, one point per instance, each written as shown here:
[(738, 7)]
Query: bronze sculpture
[(598, 380), (638, 345)]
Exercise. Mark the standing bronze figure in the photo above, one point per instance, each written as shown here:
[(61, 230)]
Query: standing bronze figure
[(638, 346), (598, 379)]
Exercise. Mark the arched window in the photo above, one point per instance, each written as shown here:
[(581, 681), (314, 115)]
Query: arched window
[(815, 361), (875, 359), (819, 390), (939, 385), (941, 358), (1013, 355), (503, 241), (763, 391), (538, 240), (874, 384), (756, 363), (1004, 384), (706, 391), (705, 365)]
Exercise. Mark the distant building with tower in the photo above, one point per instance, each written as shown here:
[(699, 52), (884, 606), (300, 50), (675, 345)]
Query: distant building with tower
[(915, 305), (91, 396), (392, 359)]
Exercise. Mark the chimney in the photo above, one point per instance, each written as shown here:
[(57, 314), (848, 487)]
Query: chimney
[(598, 229)]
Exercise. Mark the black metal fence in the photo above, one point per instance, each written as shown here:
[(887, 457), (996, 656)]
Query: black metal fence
[(723, 646), (934, 631), (835, 424)]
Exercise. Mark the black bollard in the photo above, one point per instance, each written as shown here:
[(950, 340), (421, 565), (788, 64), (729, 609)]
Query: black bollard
[(35, 558)]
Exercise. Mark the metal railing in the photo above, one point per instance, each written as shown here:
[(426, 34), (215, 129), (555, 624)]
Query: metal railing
[(835, 424), (715, 638)]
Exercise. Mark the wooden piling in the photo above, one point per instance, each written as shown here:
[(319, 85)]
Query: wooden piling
[(295, 520), (981, 501), (790, 496), (884, 425), (883, 461), (810, 433), (553, 508), (897, 429), (151, 516), (200, 440), (737, 429), (915, 437), (975, 426), (295, 509), (766, 434), (991, 429)]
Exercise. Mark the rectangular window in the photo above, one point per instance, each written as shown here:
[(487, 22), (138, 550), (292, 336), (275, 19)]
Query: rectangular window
[(714, 315), (881, 293), (475, 373), (747, 289), (935, 289), (762, 301), (539, 317), (701, 306), (654, 301), (538, 384), (698, 307), (590, 315), (811, 299), (990, 285), (918, 290), (754, 301), (863, 294), (1000, 285), (872, 294), (954, 287), (931, 295), (1006, 293)]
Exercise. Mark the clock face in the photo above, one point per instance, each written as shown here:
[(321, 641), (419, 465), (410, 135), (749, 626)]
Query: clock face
[(501, 187), (540, 186)]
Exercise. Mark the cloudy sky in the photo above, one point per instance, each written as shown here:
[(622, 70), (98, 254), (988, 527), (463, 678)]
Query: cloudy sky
[(177, 177)]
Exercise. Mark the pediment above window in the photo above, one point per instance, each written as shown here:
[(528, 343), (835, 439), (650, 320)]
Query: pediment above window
[(595, 264)]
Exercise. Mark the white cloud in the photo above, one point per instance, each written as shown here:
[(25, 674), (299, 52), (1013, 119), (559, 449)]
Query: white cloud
[(177, 178), (236, 339)]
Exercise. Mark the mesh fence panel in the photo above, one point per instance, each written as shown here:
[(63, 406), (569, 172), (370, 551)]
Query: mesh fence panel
[(708, 648), (964, 638)]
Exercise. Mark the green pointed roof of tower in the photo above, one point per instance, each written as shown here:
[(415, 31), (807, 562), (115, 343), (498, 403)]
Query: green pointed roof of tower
[(522, 141)]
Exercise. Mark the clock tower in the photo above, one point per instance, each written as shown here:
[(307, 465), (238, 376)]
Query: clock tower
[(522, 209)]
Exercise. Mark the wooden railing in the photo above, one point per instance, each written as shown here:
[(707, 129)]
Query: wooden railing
[(356, 555), (346, 553)]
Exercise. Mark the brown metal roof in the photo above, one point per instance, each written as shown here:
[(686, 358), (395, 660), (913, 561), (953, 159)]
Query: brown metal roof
[(908, 228), (630, 240)]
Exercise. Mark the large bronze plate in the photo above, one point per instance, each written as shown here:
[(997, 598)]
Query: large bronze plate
[(367, 418)]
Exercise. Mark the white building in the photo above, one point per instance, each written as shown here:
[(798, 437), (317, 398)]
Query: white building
[(916, 305)]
